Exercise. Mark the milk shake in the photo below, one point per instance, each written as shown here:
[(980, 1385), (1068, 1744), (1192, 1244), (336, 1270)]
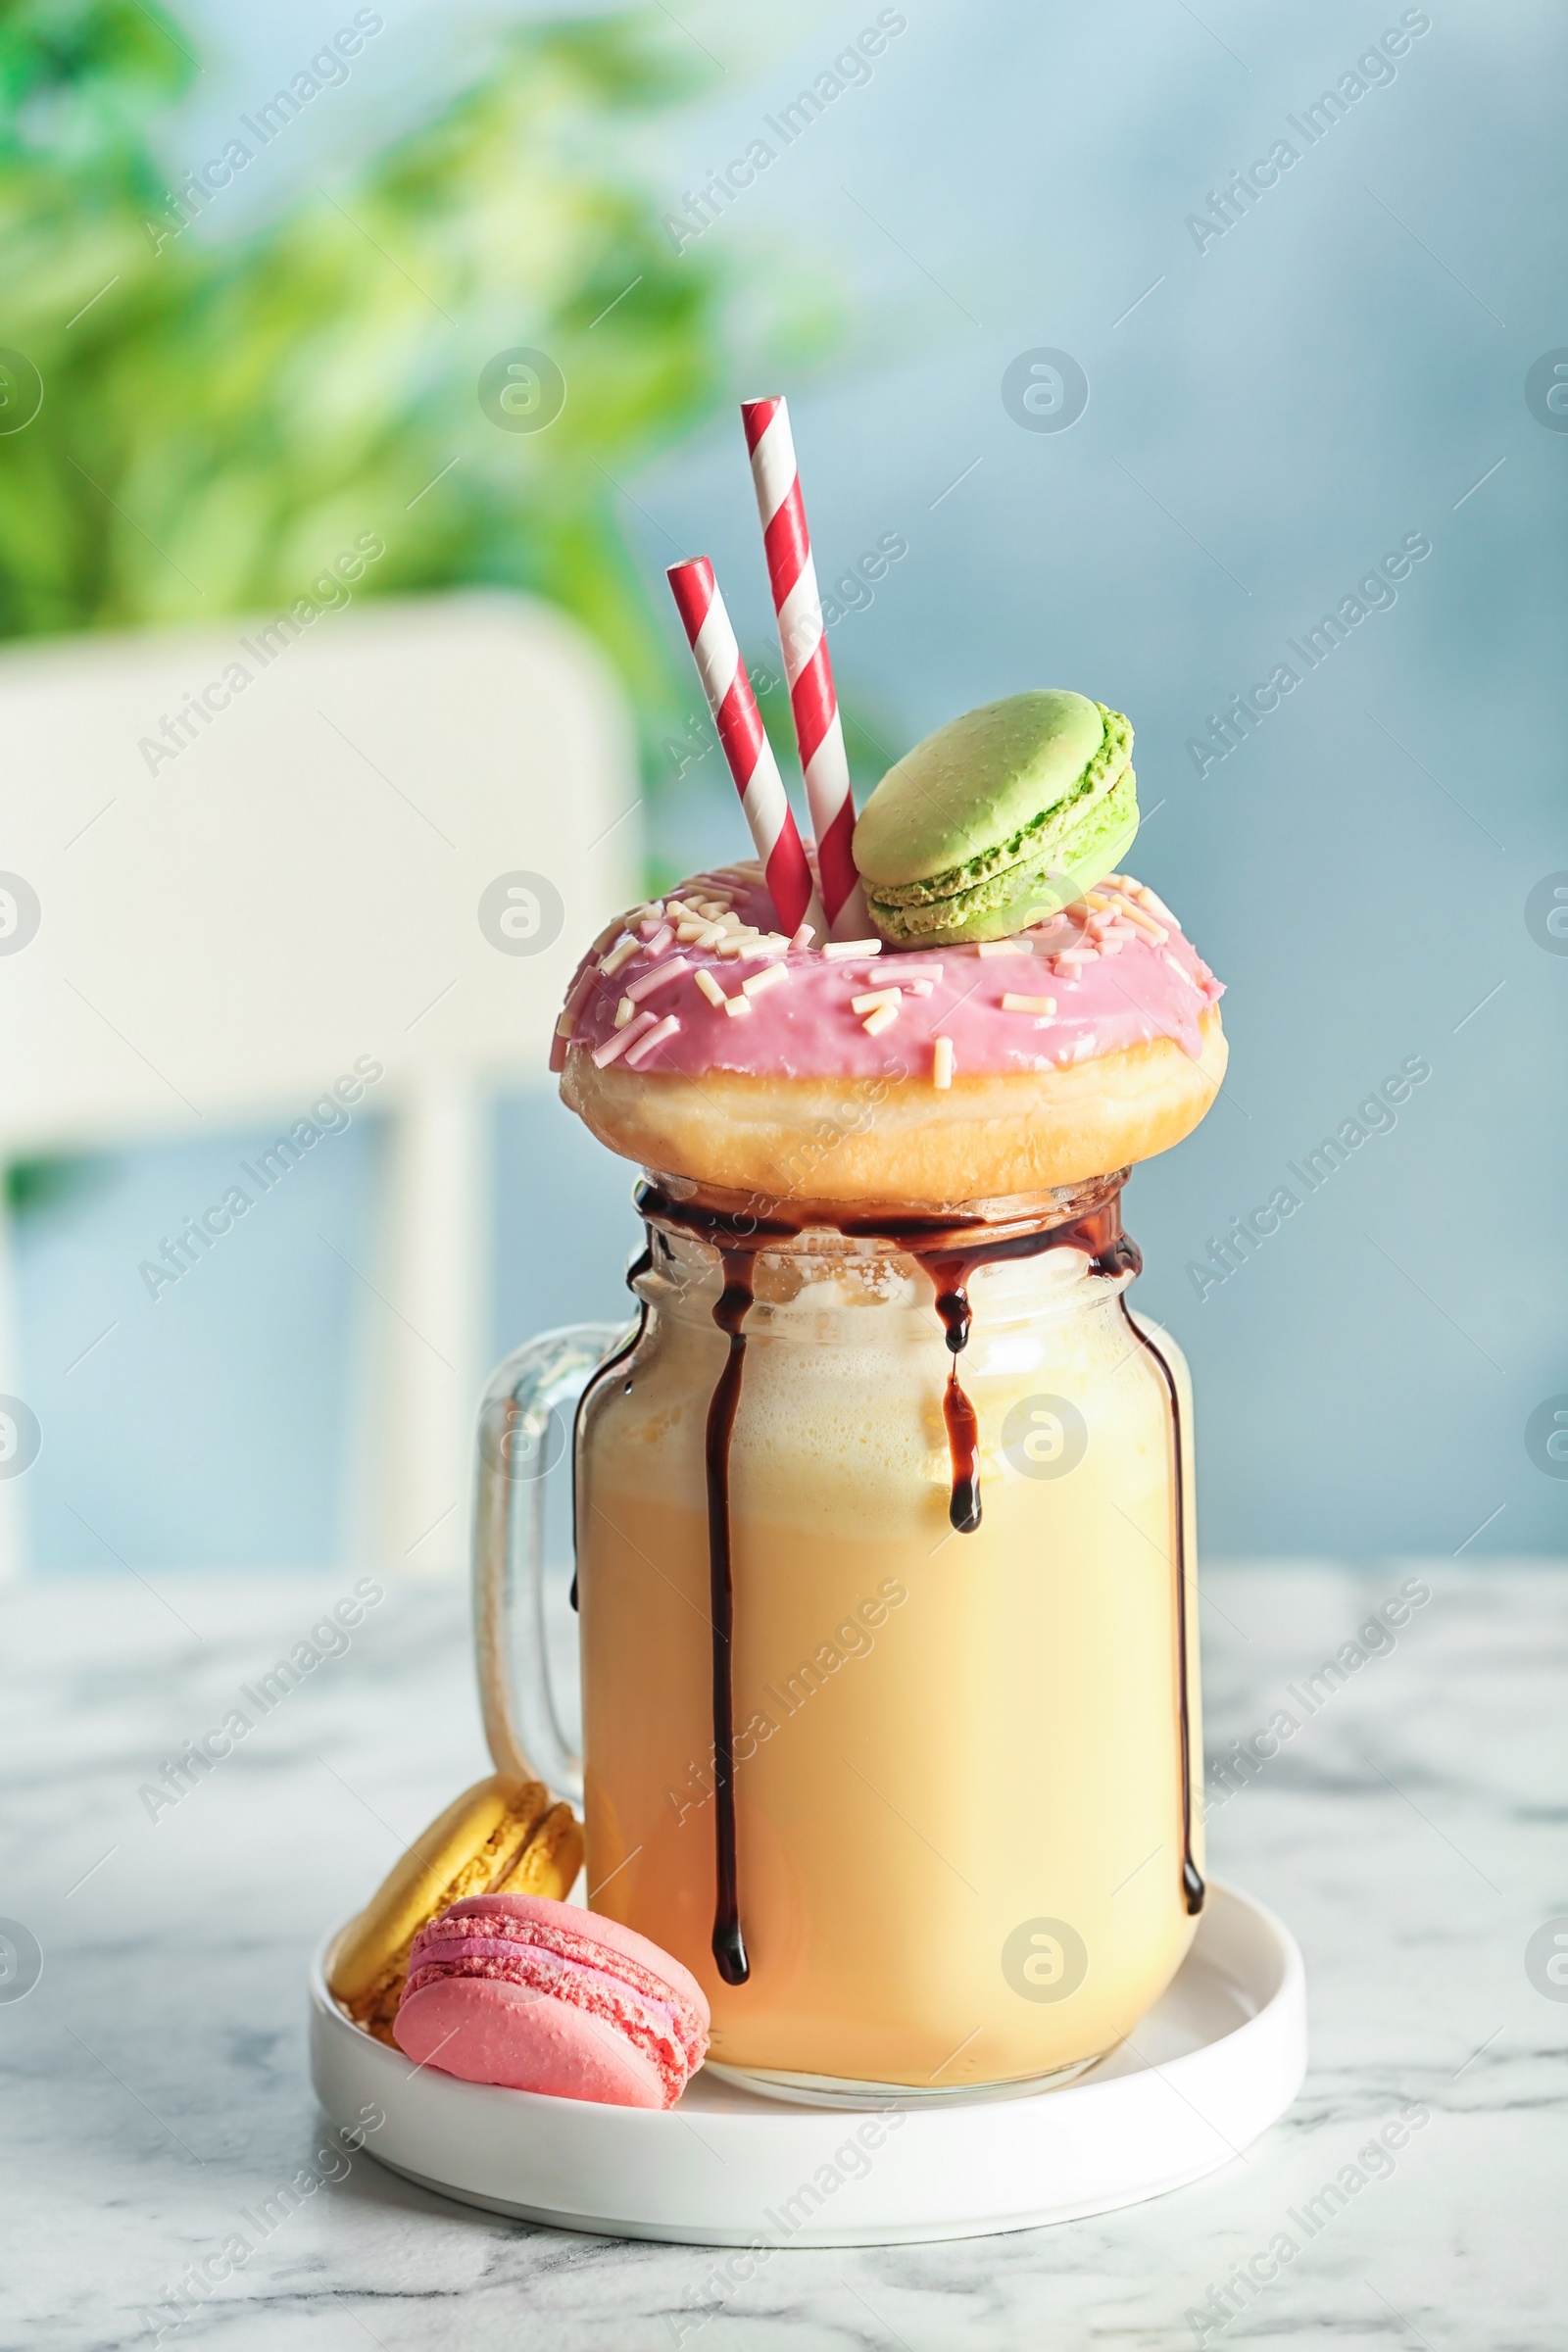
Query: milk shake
[(963, 1856)]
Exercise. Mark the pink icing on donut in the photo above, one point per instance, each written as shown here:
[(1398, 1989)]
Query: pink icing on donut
[(804, 1026)]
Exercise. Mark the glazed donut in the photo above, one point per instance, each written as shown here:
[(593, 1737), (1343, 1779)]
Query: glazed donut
[(705, 1047)]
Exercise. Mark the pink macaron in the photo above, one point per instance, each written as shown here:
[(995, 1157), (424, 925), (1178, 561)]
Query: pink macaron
[(540, 1995)]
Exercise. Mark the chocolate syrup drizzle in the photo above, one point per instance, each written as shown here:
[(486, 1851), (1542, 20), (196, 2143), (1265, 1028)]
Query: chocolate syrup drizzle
[(729, 1944), (1098, 1234), (949, 1249)]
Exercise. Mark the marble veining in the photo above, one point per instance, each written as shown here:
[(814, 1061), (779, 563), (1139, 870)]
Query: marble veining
[(1408, 1827)]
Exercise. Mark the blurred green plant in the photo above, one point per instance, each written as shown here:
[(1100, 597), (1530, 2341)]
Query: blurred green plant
[(28, 1185), (222, 415)]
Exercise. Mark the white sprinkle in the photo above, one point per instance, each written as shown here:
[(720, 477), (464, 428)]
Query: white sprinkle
[(1003, 946), (1155, 933), (659, 978), (909, 972), (612, 1046), (625, 948), (623, 1011), (1014, 1004), (919, 988), (736, 1005), (942, 1062), (802, 938), (567, 1024), (839, 951), (769, 977), (709, 987), (1156, 907), (883, 1017), (650, 1039), (874, 999)]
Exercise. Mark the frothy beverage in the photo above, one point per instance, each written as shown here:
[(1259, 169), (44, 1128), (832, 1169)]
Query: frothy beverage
[(962, 1845)]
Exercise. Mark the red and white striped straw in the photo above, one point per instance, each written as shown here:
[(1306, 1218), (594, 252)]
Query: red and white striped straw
[(812, 700), (745, 743)]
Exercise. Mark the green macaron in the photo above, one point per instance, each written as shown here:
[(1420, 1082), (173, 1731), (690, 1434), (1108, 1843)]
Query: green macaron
[(998, 820)]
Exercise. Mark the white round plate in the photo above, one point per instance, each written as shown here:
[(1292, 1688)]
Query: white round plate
[(1217, 2059)]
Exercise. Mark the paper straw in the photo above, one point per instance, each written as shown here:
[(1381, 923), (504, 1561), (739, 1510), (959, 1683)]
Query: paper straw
[(813, 704), (745, 742)]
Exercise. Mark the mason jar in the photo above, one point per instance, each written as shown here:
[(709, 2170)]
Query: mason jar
[(886, 1565)]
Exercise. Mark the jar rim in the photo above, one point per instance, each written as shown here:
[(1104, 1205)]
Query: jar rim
[(759, 1224)]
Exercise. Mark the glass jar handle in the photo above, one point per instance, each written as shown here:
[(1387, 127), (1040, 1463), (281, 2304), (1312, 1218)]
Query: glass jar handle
[(526, 1427)]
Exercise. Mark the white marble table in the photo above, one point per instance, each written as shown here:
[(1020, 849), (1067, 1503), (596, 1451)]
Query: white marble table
[(1410, 1831)]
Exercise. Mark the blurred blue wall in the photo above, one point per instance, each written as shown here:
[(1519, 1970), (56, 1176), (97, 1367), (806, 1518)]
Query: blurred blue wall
[(1272, 410)]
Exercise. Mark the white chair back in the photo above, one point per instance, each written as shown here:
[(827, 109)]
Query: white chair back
[(253, 867)]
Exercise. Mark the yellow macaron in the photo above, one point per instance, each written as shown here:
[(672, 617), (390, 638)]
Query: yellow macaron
[(500, 1836)]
